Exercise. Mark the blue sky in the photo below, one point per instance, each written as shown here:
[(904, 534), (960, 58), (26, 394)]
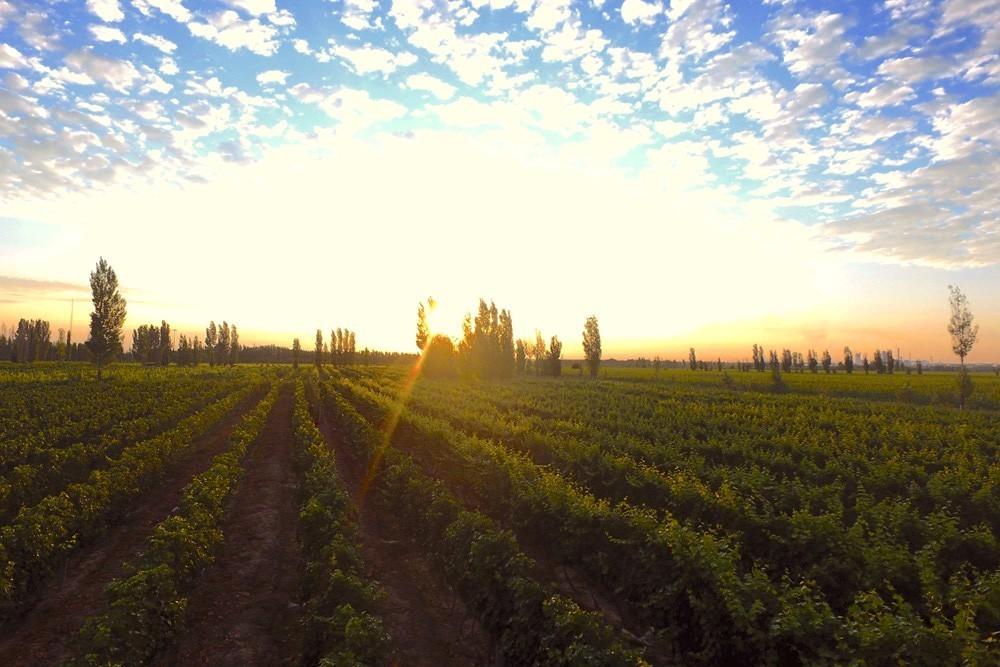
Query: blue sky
[(859, 134)]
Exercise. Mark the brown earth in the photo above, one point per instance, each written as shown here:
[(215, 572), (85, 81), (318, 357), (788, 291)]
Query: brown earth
[(244, 609), (429, 623), (41, 636)]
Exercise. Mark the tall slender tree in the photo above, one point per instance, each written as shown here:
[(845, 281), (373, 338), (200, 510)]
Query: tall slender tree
[(964, 333), (211, 338), (108, 316), (592, 344), (318, 350), (555, 357), (296, 351), (234, 345)]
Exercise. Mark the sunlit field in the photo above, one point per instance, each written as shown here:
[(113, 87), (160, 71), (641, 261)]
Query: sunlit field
[(641, 517)]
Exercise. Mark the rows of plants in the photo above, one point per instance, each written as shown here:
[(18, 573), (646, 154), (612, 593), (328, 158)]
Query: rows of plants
[(481, 562), (146, 606), (886, 546), (46, 412), (40, 537), (712, 608), (807, 445), (48, 469), (342, 622)]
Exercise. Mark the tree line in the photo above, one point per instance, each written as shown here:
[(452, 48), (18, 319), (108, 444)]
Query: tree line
[(487, 348)]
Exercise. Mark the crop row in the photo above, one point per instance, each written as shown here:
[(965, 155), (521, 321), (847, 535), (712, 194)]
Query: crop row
[(685, 583), (484, 564), (51, 468), (146, 608), (41, 536), (799, 530), (343, 626)]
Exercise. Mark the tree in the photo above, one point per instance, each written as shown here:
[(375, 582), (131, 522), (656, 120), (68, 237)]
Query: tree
[(864, 362), (165, 346), (196, 352), (554, 357), (848, 359), (827, 361), (234, 345), (521, 355), (222, 344), (108, 317), (422, 329), (692, 359), (786, 360), (592, 345), (296, 351), (539, 352), (438, 357), (963, 336), (318, 360), (505, 334), (812, 362), (211, 337)]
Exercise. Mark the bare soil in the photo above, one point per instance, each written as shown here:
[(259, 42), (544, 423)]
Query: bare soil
[(245, 608), (429, 623), (41, 636)]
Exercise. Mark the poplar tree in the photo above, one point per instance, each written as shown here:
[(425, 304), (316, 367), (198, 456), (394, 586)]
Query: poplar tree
[(422, 329), (165, 346), (848, 359), (234, 345), (296, 350), (318, 360), (592, 344), (108, 317), (539, 352), (211, 337), (964, 333), (827, 361), (555, 356)]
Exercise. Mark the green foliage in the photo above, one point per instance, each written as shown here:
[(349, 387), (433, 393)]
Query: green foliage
[(146, 607)]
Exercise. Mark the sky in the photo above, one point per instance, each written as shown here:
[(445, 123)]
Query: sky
[(694, 172)]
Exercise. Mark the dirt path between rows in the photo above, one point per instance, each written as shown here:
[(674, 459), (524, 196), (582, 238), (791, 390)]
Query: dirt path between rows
[(562, 578), (41, 636), (429, 623), (244, 608)]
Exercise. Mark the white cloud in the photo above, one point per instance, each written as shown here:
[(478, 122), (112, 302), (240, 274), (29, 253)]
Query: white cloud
[(229, 30), (431, 84), (175, 9), (156, 41), (272, 76), (357, 14), (883, 95), (11, 58), (103, 33), (106, 10), (356, 109), (814, 43), (641, 11), (253, 7), (368, 59), (118, 74), (910, 70)]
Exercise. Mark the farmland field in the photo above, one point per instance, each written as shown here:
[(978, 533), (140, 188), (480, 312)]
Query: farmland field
[(348, 515)]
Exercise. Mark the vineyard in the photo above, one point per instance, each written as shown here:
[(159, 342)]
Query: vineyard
[(362, 515)]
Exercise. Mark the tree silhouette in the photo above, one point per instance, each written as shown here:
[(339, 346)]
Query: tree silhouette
[(848, 359), (211, 337), (318, 360), (592, 344), (555, 356), (108, 317), (296, 351)]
